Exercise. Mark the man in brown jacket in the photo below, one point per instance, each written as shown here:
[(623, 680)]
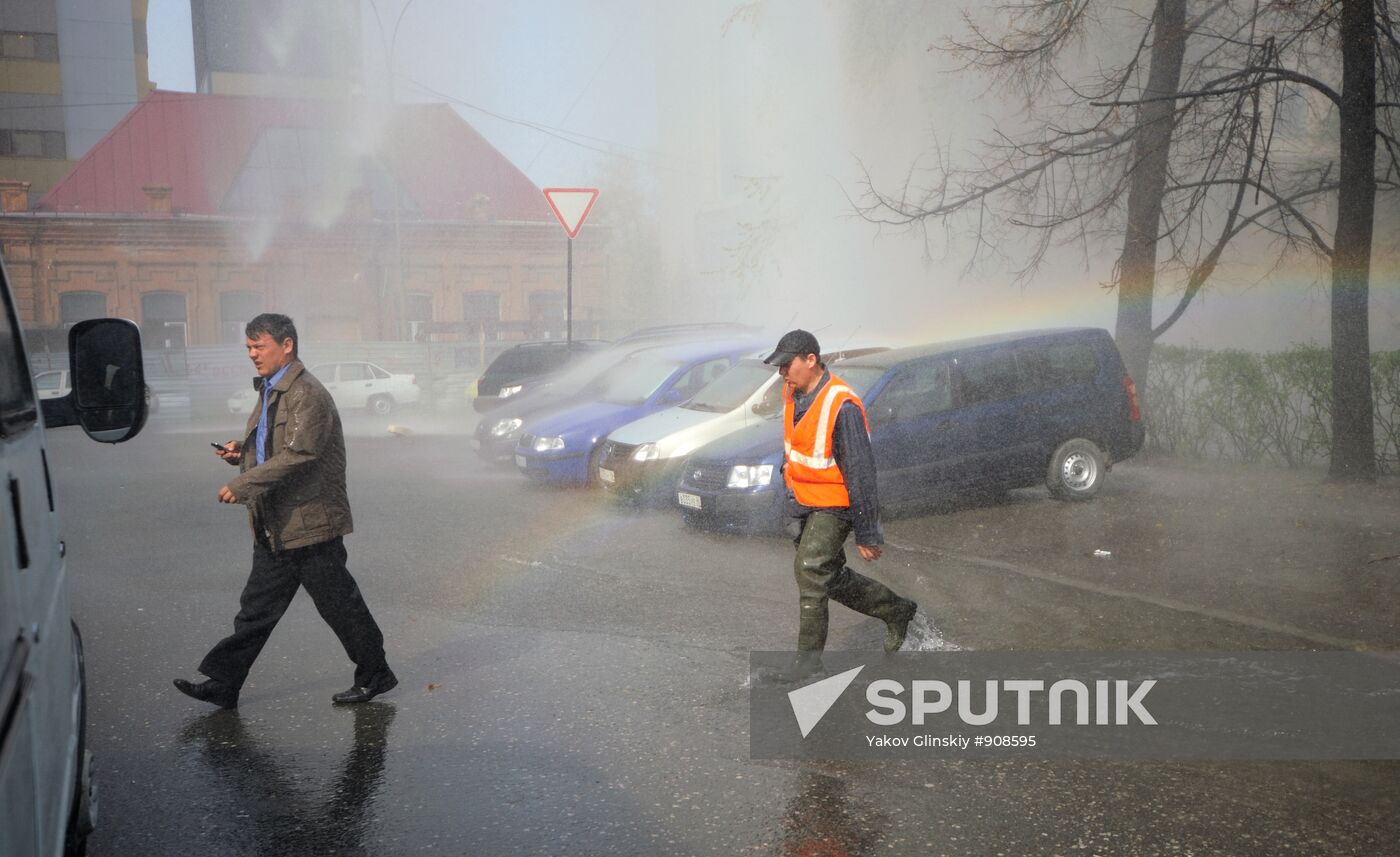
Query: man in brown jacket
[(292, 479)]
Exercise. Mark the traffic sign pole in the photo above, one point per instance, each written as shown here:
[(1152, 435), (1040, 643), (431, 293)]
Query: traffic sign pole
[(571, 206)]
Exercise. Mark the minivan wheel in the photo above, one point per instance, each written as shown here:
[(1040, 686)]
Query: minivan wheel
[(1076, 470), (382, 405)]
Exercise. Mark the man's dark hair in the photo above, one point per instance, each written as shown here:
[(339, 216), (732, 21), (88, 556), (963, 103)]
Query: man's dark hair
[(274, 324)]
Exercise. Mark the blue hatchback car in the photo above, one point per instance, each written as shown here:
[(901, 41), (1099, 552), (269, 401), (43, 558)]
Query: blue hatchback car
[(1006, 411), (563, 446)]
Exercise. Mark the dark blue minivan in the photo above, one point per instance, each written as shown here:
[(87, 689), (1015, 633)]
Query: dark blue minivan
[(1004, 411)]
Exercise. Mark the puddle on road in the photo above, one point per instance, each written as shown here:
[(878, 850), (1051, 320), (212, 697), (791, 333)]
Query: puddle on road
[(923, 636)]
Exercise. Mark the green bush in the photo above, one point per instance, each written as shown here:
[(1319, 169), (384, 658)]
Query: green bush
[(1271, 408), (1385, 382)]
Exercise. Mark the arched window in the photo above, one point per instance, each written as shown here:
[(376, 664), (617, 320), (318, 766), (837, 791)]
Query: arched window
[(481, 313), (547, 315), (163, 320), (236, 309), (417, 311), (74, 307)]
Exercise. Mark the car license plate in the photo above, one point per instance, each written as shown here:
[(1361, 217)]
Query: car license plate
[(690, 501), (607, 475), (520, 461)]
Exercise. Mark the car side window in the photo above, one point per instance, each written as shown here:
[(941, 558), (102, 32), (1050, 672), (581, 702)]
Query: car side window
[(354, 372), (46, 381), (987, 377), (381, 374), (772, 401), (917, 391), (17, 408)]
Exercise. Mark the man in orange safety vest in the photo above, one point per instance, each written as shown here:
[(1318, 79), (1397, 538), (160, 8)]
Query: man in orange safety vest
[(829, 470)]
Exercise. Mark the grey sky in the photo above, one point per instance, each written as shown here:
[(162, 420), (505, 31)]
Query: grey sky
[(702, 102)]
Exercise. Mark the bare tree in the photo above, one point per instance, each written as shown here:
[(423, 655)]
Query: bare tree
[(1353, 426), (1207, 126)]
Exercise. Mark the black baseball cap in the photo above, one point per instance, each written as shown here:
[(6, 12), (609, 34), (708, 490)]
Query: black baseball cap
[(795, 343)]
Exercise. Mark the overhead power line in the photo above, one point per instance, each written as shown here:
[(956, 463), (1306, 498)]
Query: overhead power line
[(574, 138)]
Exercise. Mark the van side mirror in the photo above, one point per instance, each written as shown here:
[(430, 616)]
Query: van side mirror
[(108, 398)]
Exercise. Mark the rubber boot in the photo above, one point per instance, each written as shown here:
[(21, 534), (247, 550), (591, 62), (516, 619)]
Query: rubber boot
[(811, 624), (873, 598), (811, 640)]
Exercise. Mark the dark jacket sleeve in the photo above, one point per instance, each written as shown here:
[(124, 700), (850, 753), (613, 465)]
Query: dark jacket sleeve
[(855, 458)]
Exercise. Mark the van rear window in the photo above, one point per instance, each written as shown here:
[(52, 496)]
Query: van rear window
[(1053, 367)]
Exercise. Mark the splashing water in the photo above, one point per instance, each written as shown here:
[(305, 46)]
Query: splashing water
[(924, 636)]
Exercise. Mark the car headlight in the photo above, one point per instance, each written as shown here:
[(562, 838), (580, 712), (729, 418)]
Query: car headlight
[(750, 475), (509, 391), (505, 427), (646, 452), (548, 444)]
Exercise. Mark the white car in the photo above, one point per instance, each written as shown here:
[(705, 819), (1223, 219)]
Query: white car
[(243, 401), (646, 455), (55, 384), (52, 384), (354, 384)]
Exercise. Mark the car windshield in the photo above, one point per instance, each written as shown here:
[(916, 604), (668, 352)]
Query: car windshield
[(521, 362), (860, 379), (731, 389), (634, 381), (587, 375)]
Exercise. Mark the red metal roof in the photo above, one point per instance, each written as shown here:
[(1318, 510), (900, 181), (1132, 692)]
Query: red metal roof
[(200, 145)]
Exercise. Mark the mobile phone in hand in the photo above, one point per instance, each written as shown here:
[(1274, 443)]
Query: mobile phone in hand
[(220, 447)]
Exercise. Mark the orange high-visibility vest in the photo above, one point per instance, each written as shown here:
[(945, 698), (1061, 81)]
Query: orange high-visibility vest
[(811, 470)]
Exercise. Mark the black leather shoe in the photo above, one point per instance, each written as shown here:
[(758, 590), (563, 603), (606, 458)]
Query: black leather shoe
[(211, 691), (382, 683)]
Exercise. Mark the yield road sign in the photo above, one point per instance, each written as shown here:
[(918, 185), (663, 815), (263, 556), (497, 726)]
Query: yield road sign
[(571, 205)]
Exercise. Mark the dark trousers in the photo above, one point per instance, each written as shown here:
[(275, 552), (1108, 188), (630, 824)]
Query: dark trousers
[(821, 572), (272, 584)]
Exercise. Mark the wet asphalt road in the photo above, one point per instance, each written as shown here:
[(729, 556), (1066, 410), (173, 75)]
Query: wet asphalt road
[(572, 672)]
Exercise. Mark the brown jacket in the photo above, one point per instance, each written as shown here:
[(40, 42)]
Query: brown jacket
[(297, 496)]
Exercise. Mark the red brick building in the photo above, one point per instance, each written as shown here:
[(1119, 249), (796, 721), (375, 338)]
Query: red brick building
[(199, 211)]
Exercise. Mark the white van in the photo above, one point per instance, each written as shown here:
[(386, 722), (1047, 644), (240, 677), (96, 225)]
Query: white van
[(47, 795)]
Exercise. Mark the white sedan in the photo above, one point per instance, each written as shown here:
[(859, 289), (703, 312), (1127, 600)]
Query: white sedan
[(54, 384), (353, 385), (749, 393)]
